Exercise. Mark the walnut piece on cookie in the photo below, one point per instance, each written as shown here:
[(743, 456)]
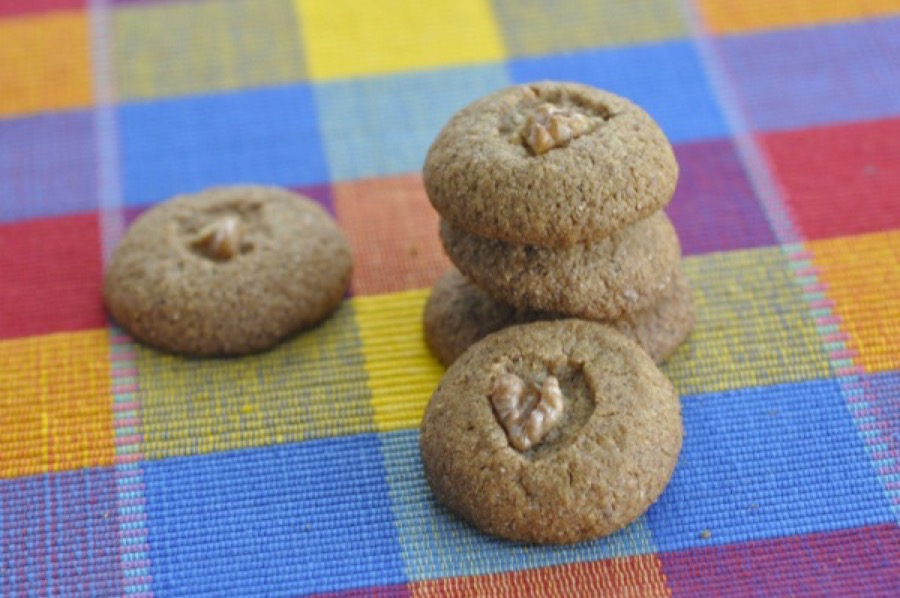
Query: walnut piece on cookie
[(613, 441), (549, 127), (528, 413), (220, 239), (227, 271), (549, 164)]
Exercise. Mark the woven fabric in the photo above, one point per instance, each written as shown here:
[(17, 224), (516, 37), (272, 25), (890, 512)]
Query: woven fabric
[(296, 472)]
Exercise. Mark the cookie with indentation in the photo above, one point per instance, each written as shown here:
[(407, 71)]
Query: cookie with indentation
[(551, 432), (227, 271), (549, 164), (459, 314), (625, 272)]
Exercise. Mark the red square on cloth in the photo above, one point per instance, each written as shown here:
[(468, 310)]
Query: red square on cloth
[(10, 8), (393, 232), (50, 276), (851, 562), (840, 180)]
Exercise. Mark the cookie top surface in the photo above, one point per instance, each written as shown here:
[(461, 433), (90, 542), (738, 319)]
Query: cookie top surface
[(458, 314), (612, 166), (623, 273), (227, 271), (611, 445)]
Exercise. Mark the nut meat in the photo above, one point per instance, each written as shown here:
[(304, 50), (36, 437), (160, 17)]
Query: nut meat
[(220, 239), (527, 414), (551, 127)]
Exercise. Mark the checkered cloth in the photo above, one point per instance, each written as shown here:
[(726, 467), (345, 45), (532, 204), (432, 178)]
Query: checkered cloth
[(296, 471)]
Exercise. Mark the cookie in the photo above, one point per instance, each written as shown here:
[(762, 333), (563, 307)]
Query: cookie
[(664, 326), (551, 432), (549, 164), (458, 314), (624, 272), (227, 271)]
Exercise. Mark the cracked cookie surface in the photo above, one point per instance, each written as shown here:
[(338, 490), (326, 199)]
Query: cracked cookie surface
[(602, 464), (550, 164), (227, 271)]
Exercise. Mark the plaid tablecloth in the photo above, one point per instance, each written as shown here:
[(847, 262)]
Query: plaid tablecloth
[(124, 471)]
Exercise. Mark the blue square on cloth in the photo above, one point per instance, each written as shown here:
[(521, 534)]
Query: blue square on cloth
[(438, 544), (264, 136), (767, 462), (379, 126), (287, 519), (666, 79), (825, 75), (48, 166)]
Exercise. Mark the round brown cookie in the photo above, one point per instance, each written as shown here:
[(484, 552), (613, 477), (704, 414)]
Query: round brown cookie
[(624, 272), (609, 449), (661, 328), (549, 164), (227, 271), (458, 314)]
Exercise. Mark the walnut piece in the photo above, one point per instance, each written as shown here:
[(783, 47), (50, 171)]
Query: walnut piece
[(220, 239), (550, 127), (527, 414)]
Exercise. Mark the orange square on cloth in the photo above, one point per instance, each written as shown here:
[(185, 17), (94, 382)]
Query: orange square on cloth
[(861, 276), (634, 576), (393, 233), (736, 16), (45, 63), (55, 403)]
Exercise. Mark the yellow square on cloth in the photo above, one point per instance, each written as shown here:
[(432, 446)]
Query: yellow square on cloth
[(345, 38), (311, 385), (402, 373), (183, 48)]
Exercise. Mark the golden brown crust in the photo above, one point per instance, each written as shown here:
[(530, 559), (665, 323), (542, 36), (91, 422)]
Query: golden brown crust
[(481, 177), (605, 464), (292, 270)]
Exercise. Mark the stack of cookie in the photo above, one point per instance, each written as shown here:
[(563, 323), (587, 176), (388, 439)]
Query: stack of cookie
[(551, 197)]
